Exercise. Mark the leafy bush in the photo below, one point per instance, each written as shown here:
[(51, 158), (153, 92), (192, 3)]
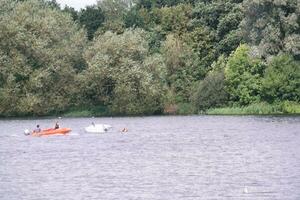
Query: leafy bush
[(261, 108), (282, 80), (210, 92), (291, 107), (244, 76)]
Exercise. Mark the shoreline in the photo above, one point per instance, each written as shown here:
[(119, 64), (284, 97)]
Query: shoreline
[(256, 109), (166, 115)]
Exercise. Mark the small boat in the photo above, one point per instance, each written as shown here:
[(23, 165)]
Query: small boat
[(98, 128), (52, 131)]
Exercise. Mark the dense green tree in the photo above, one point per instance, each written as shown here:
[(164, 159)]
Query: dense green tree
[(210, 92), (201, 40), (114, 12), (282, 80), (134, 18), (180, 69), (273, 26), (146, 56), (175, 19), (120, 75), (40, 52), (92, 18), (243, 75), (51, 3), (150, 4), (220, 19), (72, 12)]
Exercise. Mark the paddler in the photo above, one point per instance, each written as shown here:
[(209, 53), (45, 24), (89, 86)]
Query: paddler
[(37, 129), (56, 125)]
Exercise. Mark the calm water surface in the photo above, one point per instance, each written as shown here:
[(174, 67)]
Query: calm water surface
[(159, 158)]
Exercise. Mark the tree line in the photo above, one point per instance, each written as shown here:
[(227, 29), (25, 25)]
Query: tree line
[(135, 57)]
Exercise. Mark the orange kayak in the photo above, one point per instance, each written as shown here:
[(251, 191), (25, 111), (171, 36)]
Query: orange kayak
[(52, 131)]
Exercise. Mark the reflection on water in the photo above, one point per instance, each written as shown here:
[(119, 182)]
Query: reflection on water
[(165, 158)]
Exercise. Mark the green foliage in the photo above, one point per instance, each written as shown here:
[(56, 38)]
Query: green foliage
[(149, 56), (243, 76), (120, 77), (210, 92), (201, 41), (92, 18), (114, 9), (179, 64), (149, 4), (40, 48), (114, 12), (175, 19), (72, 12), (184, 109), (135, 18), (291, 107), (273, 26), (261, 108), (282, 79), (219, 22)]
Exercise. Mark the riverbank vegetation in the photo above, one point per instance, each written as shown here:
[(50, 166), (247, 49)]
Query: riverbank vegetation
[(144, 57)]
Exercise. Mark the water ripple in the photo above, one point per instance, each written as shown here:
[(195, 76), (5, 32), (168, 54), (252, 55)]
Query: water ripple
[(160, 158)]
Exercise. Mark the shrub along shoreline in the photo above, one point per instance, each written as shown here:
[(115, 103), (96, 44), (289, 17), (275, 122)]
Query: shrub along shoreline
[(262, 108)]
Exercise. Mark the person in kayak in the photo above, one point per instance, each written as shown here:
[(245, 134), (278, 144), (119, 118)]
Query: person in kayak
[(56, 125), (37, 129)]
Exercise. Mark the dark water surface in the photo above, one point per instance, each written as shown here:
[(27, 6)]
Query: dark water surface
[(159, 158)]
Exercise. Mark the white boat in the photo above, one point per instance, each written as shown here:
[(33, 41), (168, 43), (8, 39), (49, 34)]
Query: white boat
[(98, 128)]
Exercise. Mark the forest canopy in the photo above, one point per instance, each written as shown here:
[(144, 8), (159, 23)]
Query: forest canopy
[(136, 57)]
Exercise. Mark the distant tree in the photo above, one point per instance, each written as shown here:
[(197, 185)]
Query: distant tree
[(52, 3), (114, 12), (180, 69), (121, 76), (136, 18), (221, 19), (210, 92), (175, 19), (149, 4), (243, 76), (202, 42), (282, 80), (40, 54), (92, 18), (72, 12), (273, 26), (113, 9)]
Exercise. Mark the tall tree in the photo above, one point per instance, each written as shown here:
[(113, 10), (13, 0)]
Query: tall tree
[(243, 76), (92, 18), (273, 26), (282, 79), (120, 75), (114, 12), (40, 53)]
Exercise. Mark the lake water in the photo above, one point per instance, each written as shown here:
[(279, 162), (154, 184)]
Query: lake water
[(159, 158)]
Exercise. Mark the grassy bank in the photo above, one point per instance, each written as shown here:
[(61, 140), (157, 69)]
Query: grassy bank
[(261, 108)]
